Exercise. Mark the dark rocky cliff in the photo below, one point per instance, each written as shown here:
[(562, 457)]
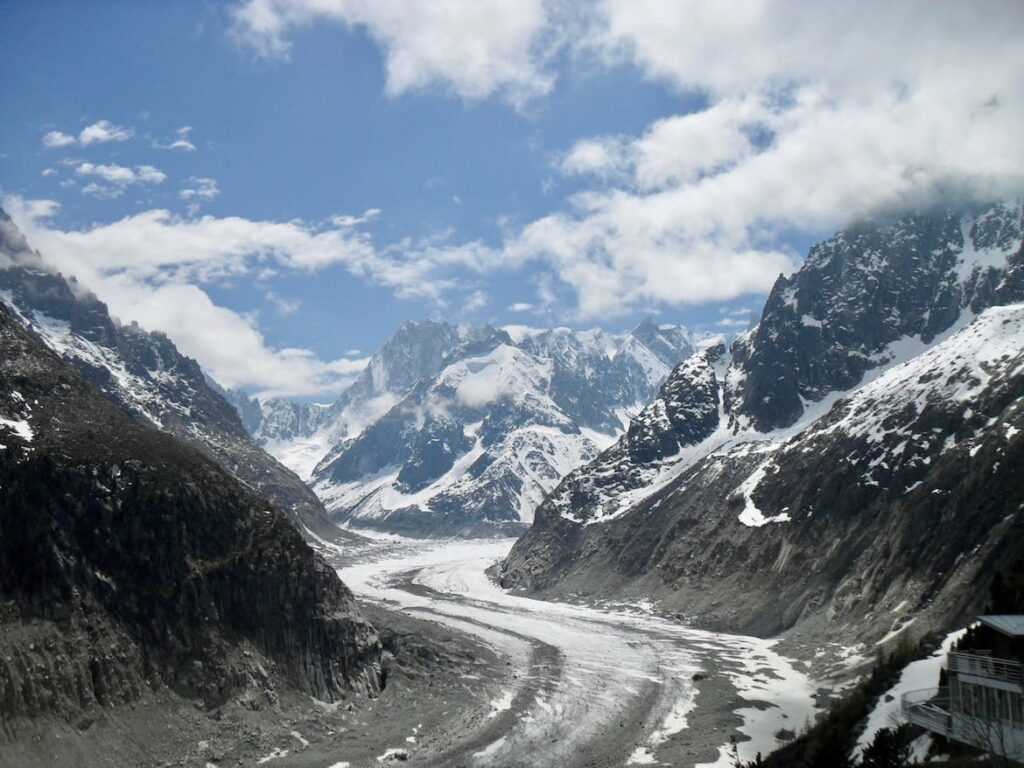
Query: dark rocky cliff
[(128, 559)]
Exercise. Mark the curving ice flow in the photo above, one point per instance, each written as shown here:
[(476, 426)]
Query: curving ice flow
[(617, 685)]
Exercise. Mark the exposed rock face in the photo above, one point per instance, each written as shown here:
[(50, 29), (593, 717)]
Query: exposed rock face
[(129, 559), (823, 328), (750, 497), (146, 375)]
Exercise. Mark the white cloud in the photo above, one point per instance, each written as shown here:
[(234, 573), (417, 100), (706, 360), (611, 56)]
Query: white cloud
[(475, 302), (685, 147), (473, 48), (807, 116), (483, 387), (229, 345), (148, 174), (602, 156), (150, 267), (520, 306), (118, 178), (102, 132), (814, 116), (57, 139), (202, 188), (49, 172), (695, 45), (180, 142), (115, 174)]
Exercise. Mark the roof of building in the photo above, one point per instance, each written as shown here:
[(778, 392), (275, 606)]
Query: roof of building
[(1008, 624)]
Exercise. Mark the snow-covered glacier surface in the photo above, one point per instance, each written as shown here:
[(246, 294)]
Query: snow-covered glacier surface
[(604, 670)]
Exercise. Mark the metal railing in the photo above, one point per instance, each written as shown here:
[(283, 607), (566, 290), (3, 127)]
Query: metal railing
[(986, 666), (928, 708)]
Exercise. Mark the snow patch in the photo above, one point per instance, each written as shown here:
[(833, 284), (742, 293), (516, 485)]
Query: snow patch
[(20, 427), (917, 675)]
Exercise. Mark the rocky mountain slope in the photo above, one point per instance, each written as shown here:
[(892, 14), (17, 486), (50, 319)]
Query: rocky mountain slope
[(131, 562), (301, 435), (145, 374), (852, 461), (477, 423)]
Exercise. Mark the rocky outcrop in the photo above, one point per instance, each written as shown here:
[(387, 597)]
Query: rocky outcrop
[(129, 559), (878, 282)]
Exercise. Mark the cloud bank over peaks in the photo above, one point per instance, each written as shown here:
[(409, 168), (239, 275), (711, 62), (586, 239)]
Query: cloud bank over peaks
[(812, 115)]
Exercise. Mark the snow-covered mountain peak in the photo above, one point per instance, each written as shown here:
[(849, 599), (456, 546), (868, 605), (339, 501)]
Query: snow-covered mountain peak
[(867, 300), (467, 426), (853, 461), (464, 427)]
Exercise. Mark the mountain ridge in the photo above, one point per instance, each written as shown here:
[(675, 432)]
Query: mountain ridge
[(690, 506)]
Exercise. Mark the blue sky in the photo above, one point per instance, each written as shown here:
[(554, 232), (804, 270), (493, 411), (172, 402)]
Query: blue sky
[(531, 165)]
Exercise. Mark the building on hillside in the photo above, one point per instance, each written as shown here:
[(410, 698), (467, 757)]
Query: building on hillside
[(983, 704)]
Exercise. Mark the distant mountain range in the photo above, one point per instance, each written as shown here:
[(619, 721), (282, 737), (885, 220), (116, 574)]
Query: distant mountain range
[(456, 430), (853, 462)]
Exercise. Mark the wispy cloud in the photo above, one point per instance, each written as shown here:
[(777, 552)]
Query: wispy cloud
[(283, 305), (200, 188), (179, 142), (476, 301)]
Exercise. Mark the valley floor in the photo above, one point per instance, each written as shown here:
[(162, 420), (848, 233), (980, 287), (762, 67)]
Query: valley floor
[(587, 686)]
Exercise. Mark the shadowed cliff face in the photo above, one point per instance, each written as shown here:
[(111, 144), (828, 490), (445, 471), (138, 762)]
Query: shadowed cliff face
[(129, 559), (852, 460)]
